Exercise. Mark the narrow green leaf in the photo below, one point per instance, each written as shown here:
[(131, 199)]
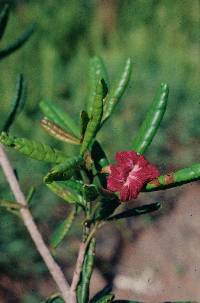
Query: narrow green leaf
[(84, 122), (63, 192), (152, 121), (117, 91), (174, 179), (87, 270), (16, 107), (137, 211), (33, 149), (57, 132), (18, 43), (4, 16), (58, 116), (97, 70), (106, 299), (105, 208), (30, 195), (102, 293), (65, 170), (54, 299), (62, 229), (95, 120)]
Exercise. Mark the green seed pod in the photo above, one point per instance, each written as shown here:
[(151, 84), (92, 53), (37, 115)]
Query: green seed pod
[(57, 132), (174, 179), (95, 120), (87, 270), (62, 229), (152, 121), (59, 117), (65, 170), (33, 149), (117, 91), (97, 70)]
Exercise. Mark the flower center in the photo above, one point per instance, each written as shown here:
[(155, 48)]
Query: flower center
[(132, 174)]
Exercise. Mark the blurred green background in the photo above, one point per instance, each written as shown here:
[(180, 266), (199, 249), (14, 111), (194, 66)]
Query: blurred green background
[(161, 37)]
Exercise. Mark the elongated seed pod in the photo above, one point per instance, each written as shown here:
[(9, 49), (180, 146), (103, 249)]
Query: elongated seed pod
[(152, 121), (174, 179), (65, 170), (117, 91), (87, 271), (62, 229), (33, 149), (97, 70), (95, 120), (58, 116), (56, 131)]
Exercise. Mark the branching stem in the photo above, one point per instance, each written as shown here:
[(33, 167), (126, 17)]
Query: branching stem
[(28, 220)]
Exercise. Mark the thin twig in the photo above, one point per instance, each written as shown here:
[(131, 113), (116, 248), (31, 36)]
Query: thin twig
[(27, 218)]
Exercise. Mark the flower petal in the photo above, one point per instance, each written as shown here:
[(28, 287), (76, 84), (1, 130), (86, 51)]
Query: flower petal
[(127, 158)]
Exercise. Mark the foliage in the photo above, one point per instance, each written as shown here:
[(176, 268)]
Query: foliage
[(79, 179)]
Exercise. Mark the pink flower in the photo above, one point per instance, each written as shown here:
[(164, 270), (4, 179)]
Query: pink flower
[(130, 174)]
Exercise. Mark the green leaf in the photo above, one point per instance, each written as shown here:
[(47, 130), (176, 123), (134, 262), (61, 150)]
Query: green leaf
[(95, 120), (152, 121), (105, 208), (30, 195), (174, 179), (58, 116), (33, 149), (65, 170), (90, 192), (4, 16), (18, 43), (117, 91), (137, 211), (87, 270), (62, 191), (54, 299), (62, 229), (17, 104), (106, 299), (56, 131), (97, 70), (102, 293), (84, 122)]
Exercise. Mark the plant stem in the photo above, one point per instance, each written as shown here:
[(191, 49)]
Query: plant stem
[(80, 260), (32, 228)]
